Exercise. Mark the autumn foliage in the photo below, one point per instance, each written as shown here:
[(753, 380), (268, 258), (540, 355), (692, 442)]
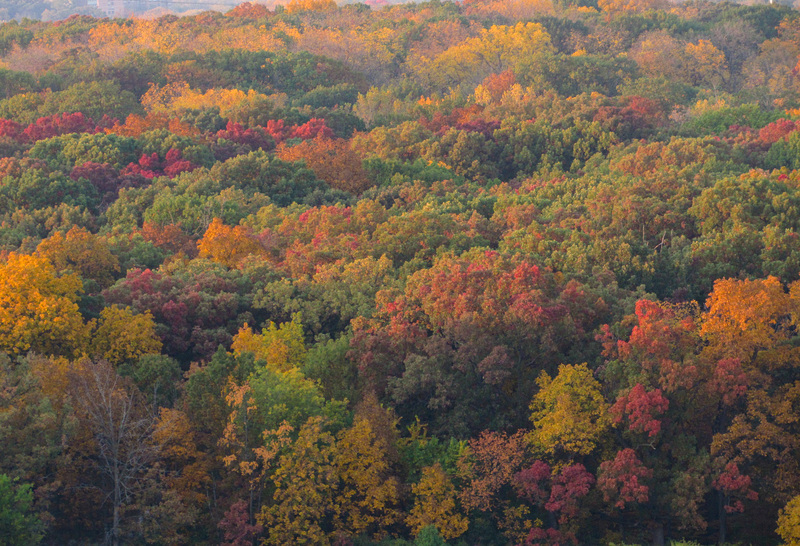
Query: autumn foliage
[(483, 272)]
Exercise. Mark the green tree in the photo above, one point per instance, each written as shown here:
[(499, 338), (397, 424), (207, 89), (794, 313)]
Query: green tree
[(18, 523)]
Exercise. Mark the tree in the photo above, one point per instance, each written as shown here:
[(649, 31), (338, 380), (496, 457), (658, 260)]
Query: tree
[(558, 493), (761, 441), (297, 6), (789, 521), (368, 495), (305, 479), (38, 308), (94, 99), (623, 480), (251, 451), (228, 245), (281, 347), (18, 523), (435, 504), (745, 317), (617, 7), (236, 526), (122, 429), (332, 160), (82, 253), (495, 50), (196, 305), (706, 64), (490, 465), (641, 409), (264, 173), (660, 54), (569, 414), (123, 336)]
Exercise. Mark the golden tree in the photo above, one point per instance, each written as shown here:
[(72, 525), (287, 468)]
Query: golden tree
[(38, 308)]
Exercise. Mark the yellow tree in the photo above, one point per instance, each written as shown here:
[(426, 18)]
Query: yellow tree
[(569, 413), (305, 480), (435, 504), (249, 458), (745, 317), (368, 495), (228, 245), (123, 336), (188, 466), (658, 53), (789, 522), (705, 64), (282, 347), (495, 50), (38, 308), (81, 252), (298, 6)]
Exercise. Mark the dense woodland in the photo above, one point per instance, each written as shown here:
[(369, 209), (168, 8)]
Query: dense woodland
[(492, 272)]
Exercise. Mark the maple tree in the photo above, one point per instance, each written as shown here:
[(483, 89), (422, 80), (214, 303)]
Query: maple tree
[(623, 480), (745, 316)]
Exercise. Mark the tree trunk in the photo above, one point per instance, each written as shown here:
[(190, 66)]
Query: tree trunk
[(115, 525), (658, 535), (551, 519), (117, 504)]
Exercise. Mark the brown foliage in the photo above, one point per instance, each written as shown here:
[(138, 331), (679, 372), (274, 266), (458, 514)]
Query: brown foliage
[(332, 160)]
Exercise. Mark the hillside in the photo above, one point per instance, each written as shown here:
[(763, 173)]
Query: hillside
[(492, 272)]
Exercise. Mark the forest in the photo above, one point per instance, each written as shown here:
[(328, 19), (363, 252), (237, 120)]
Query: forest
[(491, 272)]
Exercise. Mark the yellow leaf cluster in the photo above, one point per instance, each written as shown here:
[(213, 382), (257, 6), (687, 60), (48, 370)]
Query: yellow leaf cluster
[(281, 347), (435, 504), (569, 413), (228, 245), (705, 64), (38, 308), (744, 317), (297, 6), (495, 50), (789, 522), (81, 252), (123, 336), (304, 489), (114, 40), (368, 497), (179, 97)]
